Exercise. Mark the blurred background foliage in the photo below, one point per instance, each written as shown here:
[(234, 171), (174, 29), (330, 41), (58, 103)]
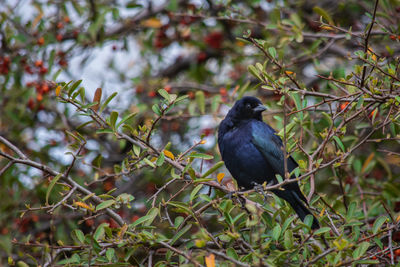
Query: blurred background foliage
[(323, 71)]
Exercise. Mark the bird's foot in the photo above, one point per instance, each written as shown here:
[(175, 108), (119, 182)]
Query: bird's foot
[(238, 197), (259, 188)]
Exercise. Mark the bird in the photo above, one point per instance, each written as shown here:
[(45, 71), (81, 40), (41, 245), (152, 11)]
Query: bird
[(253, 153)]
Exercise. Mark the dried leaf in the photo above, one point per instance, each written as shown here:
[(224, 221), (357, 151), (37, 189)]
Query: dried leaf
[(220, 176), (210, 260), (97, 98), (152, 23), (169, 154)]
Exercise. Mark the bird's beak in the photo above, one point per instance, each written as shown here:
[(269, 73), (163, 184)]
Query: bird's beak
[(259, 108)]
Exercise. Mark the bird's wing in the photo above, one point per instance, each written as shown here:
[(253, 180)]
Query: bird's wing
[(271, 146)]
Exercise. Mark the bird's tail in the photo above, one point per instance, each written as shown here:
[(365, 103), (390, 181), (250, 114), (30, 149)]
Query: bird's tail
[(297, 205)]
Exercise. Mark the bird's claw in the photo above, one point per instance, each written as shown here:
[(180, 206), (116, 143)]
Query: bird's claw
[(259, 188), (235, 194)]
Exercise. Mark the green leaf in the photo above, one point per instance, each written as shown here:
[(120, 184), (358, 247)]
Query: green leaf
[(276, 232), (378, 224), (124, 119), (327, 118), (339, 142), (104, 131), (110, 254), (201, 102), (147, 219), (180, 233), (156, 109), (324, 14), (78, 234), (99, 233), (200, 156), (51, 185), (322, 230), (213, 169), (148, 162), (113, 119), (231, 252), (108, 100), (254, 72), (160, 160), (360, 250), (73, 87), (164, 94), (195, 191), (105, 204), (288, 239), (272, 51)]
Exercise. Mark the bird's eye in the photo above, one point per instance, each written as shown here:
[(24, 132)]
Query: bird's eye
[(248, 106)]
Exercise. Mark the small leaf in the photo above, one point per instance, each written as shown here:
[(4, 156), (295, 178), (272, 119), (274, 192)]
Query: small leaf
[(378, 224), (276, 232), (324, 14), (213, 169), (79, 235), (180, 234), (97, 98), (220, 176), (51, 185), (200, 100), (83, 205), (58, 90), (160, 160), (200, 156), (73, 87), (164, 94), (156, 109), (210, 260), (272, 51), (152, 23), (362, 248), (124, 119), (105, 204), (339, 142), (322, 230), (113, 119), (148, 162), (195, 191), (169, 154), (108, 100), (110, 254), (99, 233)]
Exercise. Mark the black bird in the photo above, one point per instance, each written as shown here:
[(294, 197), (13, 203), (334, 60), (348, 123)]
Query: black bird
[(253, 153)]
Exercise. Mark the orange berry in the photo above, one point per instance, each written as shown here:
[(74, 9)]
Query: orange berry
[(167, 88), (151, 94), (40, 41), (38, 63), (39, 97)]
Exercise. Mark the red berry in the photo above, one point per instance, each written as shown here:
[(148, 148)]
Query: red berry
[(201, 57), (151, 94), (59, 37), (223, 91), (31, 104), (214, 40), (168, 88), (43, 70)]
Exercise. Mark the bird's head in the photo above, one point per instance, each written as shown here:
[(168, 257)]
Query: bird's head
[(247, 108)]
